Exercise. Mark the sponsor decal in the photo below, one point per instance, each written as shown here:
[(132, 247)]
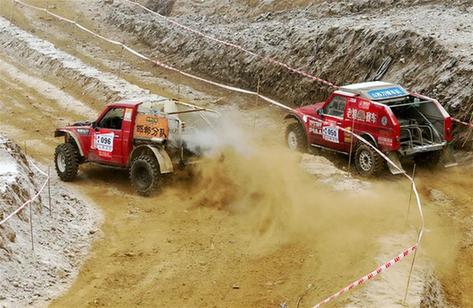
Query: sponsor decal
[(151, 126), (362, 115), (387, 93), (128, 114), (385, 141)]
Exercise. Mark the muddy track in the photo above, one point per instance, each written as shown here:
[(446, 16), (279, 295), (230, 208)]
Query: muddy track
[(228, 239)]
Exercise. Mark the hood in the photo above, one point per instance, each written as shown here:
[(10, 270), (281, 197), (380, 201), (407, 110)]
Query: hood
[(310, 109)]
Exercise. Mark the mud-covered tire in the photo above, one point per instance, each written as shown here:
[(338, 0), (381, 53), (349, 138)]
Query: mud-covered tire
[(367, 161), (429, 159), (145, 175), (66, 160), (296, 138)]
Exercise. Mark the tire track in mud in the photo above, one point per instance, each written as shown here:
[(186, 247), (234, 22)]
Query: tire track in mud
[(172, 263)]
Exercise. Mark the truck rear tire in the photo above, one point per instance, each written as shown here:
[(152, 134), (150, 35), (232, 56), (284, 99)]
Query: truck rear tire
[(429, 159), (295, 138), (66, 159), (145, 174), (367, 161)]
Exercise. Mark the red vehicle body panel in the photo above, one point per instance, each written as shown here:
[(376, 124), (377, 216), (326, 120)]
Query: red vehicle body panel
[(367, 118), (121, 142)]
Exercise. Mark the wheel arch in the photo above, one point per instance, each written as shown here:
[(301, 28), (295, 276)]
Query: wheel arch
[(164, 161), (368, 137), (289, 117), (68, 134)]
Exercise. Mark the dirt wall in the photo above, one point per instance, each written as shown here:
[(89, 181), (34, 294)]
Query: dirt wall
[(340, 51)]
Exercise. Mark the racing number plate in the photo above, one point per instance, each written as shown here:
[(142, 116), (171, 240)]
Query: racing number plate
[(104, 142), (330, 133)]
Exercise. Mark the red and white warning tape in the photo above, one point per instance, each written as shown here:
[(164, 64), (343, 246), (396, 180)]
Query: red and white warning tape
[(382, 268), (388, 264), (241, 48), (32, 199)]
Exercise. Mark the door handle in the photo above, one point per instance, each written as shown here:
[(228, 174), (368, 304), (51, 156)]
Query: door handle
[(116, 136)]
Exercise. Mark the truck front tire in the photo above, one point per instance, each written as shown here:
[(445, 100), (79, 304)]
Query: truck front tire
[(295, 138), (145, 174), (66, 159), (367, 161)]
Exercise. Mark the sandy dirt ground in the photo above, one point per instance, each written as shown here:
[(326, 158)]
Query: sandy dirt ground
[(251, 228)]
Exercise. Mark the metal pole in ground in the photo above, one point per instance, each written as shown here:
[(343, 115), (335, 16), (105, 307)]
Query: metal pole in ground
[(410, 274), (49, 192), (12, 10), (256, 101), (410, 195), (47, 8), (351, 143), (31, 224), (121, 60)]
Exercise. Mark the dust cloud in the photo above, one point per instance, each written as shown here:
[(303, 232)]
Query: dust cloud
[(281, 204)]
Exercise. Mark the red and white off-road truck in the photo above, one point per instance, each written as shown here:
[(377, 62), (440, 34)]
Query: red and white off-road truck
[(146, 137), (399, 123)]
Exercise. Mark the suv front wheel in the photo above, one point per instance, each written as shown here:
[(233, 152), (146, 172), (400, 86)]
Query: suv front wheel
[(367, 161), (66, 159), (295, 137)]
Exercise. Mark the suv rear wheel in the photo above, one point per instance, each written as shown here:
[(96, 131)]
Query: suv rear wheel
[(66, 159), (367, 161), (145, 174), (295, 137)]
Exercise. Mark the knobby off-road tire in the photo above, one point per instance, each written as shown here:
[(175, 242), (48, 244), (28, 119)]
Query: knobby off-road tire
[(66, 159), (367, 161), (429, 159), (295, 138), (145, 174)]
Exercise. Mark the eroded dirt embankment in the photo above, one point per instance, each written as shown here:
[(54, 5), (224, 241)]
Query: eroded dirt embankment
[(62, 234), (428, 45)]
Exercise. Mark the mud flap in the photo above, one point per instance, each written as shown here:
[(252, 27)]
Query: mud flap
[(448, 158), (394, 157)]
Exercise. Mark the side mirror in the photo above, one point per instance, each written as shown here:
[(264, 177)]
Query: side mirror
[(320, 112)]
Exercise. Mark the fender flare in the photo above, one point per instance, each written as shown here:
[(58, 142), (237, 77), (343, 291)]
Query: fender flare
[(165, 162), (63, 132), (368, 138), (294, 117)]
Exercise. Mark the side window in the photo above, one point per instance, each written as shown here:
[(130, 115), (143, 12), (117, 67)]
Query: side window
[(113, 119), (336, 107)]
